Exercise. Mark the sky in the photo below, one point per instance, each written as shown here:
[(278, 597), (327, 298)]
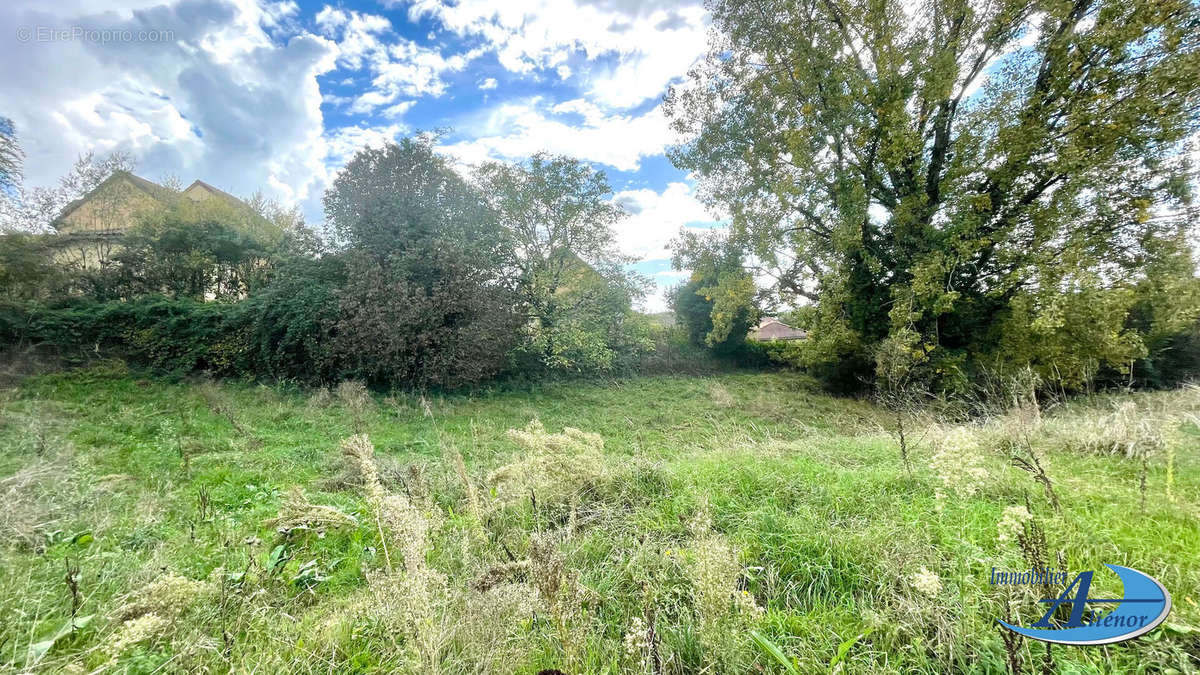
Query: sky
[(277, 96)]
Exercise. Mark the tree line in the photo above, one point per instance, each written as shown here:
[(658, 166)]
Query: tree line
[(422, 276), (934, 191)]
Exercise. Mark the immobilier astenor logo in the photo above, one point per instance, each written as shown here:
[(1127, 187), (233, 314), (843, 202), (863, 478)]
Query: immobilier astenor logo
[(1143, 605)]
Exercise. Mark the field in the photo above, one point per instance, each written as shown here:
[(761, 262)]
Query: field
[(734, 523)]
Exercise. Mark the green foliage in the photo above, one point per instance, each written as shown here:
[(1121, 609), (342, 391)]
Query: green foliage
[(27, 268), (453, 330), (569, 277), (289, 322), (169, 336), (404, 196), (182, 258), (922, 169), (717, 304)]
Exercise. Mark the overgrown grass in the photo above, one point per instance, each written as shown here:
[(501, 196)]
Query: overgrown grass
[(720, 524)]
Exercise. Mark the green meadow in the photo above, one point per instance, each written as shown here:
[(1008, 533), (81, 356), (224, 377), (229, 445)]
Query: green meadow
[(734, 523)]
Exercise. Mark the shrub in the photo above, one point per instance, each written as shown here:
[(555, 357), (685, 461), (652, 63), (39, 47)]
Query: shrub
[(449, 331), (289, 324), (173, 336)]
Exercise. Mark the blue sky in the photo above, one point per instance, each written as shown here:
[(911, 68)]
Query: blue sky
[(253, 94)]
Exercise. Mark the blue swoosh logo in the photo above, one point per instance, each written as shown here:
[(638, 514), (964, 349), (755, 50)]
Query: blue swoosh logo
[(1145, 604)]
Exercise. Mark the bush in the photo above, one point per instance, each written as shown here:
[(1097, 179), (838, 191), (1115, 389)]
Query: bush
[(289, 324), (447, 332), (171, 336)]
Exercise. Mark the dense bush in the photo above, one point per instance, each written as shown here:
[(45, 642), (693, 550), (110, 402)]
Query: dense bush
[(452, 330), (289, 323), (28, 270), (174, 336)]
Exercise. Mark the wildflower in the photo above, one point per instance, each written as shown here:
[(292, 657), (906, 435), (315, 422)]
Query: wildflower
[(297, 511), (721, 396), (637, 638), (145, 627), (927, 582), (166, 596), (556, 467), (701, 523), (746, 604), (958, 463), (1012, 523), (714, 578)]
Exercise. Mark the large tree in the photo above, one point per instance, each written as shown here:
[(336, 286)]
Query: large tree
[(425, 300), (11, 176), (11, 159), (403, 198), (557, 216), (944, 172)]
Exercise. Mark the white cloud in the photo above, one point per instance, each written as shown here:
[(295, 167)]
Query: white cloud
[(652, 43), (517, 130), (489, 83), (399, 67), (655, 218), (345, 141), (656, 298), (224, 101), (645, 74), (398, 110)]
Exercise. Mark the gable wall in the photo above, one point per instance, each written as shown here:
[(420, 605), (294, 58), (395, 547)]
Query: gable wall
[(116, 208)]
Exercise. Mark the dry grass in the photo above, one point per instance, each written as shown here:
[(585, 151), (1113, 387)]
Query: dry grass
[(720, 396), (411, 597), (1132, 428), (357, 402), (297, 511), (554, 468), (29, 508)]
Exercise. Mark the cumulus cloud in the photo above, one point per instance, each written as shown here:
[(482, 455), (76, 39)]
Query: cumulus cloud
[(398, 66), (342, 143), (652, 43), (515, 130), (655, 218), (222, 100)]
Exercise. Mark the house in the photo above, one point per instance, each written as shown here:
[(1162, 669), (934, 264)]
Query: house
[(113, 206), (770, 328), (91, 226)]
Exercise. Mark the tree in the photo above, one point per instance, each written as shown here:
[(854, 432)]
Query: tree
[(959, 169), (557, 216), (392, 328), (424, 302), (39, 206), (11, 160), (404, 196), (717, 305), (185, 258), (27, 268)]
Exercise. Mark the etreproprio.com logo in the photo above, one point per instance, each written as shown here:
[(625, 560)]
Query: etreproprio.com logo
[(1144, 604)]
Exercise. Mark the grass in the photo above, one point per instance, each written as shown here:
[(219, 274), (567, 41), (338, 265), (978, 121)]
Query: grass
[(734, 523)]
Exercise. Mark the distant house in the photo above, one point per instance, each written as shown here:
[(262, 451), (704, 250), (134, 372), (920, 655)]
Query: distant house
[(91, 226), (770, 328), (113, 206)]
